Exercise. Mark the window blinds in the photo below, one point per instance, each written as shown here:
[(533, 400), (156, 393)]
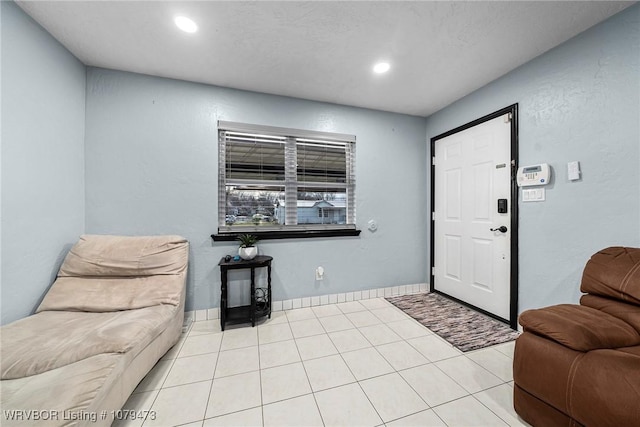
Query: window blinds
[(275, 178)]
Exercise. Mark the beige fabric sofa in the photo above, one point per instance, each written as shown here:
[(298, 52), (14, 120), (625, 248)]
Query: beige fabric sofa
[(116, 307)]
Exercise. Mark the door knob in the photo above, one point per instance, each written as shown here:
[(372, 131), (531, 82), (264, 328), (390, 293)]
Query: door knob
[(501, 229)]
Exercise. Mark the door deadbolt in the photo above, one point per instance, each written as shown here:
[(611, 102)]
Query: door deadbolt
[(502, 206)]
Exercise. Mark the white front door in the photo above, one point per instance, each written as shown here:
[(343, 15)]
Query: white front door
[(472, 172)]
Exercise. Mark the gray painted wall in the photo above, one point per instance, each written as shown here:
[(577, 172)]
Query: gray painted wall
[(150, 156), (578, 101), (43, 104), (151, 168)]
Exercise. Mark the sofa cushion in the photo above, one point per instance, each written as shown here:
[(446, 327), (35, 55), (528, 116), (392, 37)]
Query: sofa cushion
[(102, 294), (635, 350), (615, 273), (628, 313), (52, 339), (118, 256), (579, 328), (59, 394)]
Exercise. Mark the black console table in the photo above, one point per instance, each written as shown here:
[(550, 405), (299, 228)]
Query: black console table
[(246, 313)]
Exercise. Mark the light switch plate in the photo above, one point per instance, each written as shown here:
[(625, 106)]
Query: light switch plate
[(573, 171), (534, 195)]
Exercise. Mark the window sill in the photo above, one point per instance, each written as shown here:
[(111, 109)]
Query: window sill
[(291, 234)]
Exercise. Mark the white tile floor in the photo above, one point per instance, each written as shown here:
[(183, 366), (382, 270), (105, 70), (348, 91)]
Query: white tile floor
[(358, 363)]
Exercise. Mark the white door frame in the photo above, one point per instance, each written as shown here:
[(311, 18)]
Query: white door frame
[(513, 299)]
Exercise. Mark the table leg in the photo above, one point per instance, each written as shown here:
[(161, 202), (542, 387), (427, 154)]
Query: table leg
[(223, 298), (269, 287), (253, 296)]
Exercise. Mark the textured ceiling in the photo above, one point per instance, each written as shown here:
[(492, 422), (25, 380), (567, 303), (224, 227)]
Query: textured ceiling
[(323, 50)]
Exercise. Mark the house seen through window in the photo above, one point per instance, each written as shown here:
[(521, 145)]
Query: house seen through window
[(284, 179)]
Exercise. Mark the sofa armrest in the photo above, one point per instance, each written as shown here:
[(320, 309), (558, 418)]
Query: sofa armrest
[(579, 328)]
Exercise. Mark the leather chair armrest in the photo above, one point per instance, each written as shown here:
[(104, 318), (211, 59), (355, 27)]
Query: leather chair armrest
[(579, 328)]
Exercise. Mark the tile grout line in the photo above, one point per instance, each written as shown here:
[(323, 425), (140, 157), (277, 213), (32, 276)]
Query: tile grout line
[(352, 373), (396, 371), (307, 374), (358, 329), (383, 358), (468, 392), (486, 369), (260, 377), (204, 416), (173, 361), (497, 415), (434, 363), (475, 363), (477, 400)]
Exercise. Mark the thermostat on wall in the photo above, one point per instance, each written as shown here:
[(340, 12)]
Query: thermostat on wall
[(534, 175)]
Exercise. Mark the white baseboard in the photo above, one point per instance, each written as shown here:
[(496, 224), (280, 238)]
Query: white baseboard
[(214, 313)]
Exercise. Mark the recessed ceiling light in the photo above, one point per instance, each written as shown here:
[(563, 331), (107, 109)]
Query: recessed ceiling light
[(381, 67), (186, 24)]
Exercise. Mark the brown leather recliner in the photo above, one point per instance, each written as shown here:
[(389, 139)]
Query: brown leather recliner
[(580, 364)]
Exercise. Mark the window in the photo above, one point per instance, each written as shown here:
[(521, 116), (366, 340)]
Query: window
[(277, 179)]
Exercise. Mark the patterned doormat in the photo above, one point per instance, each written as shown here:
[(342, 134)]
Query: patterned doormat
[(463, 327)]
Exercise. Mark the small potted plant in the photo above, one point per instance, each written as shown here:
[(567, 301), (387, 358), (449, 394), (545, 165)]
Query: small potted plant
[(248, 248)]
